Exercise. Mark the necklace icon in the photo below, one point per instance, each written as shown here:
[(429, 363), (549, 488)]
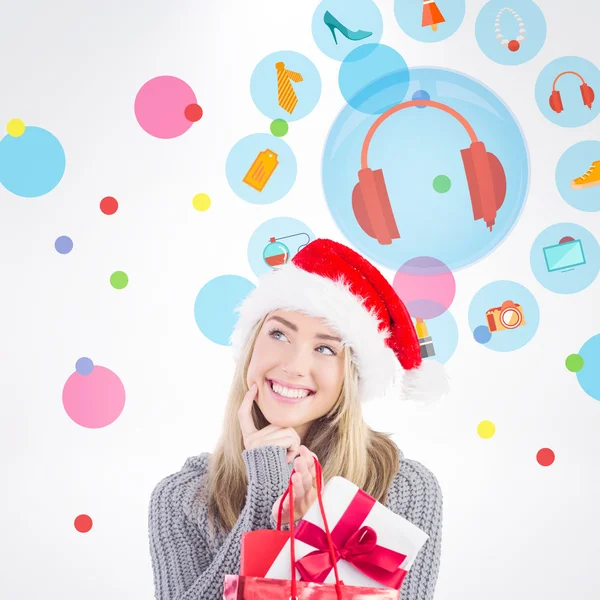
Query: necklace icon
[(512, 45), (334, 24)]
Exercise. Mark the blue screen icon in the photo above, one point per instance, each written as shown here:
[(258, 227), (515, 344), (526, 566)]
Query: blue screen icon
[(564, 256)]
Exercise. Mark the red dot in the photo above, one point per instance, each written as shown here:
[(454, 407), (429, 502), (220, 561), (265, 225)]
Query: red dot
[(545, 457), (109, 205), (513, 45), (83, 523), (193, 112)]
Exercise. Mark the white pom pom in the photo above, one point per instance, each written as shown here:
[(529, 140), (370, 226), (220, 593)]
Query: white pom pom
[(426, 384)]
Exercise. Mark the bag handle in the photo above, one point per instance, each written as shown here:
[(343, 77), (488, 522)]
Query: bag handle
[(319, 476)]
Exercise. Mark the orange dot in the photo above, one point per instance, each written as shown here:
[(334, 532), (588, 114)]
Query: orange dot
[(83, 523), (545, 457), (513, 45)]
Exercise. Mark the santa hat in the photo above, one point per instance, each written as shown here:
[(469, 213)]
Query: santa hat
[(329, 280)]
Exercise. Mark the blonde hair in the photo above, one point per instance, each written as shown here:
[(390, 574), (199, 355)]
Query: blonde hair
[(341, 439)]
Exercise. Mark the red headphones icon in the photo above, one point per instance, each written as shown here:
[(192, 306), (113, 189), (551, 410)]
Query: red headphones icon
[(587, 93), (485, 176)]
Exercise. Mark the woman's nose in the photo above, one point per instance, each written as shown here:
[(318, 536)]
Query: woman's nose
[(296, 364)]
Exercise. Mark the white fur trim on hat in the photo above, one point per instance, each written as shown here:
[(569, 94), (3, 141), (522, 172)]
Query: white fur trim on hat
[(292, 288), (427, 384)]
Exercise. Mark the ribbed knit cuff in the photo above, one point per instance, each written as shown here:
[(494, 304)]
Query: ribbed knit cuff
[(267, 466)]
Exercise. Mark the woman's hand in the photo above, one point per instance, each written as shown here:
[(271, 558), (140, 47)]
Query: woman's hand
[(305, 487), (271, 435)]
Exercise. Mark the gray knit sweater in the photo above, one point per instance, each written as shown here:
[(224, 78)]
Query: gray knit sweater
[(188, 564)]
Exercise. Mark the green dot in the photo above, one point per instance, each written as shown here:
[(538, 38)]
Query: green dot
[(279, 127), (441, 184), (119, 280), (574, 363)]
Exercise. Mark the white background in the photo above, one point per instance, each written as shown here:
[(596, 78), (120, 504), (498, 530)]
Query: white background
[(513, 530)]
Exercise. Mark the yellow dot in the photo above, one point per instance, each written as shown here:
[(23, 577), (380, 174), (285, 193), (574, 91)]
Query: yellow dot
[(15, 128), (486, 429), (201, 202)]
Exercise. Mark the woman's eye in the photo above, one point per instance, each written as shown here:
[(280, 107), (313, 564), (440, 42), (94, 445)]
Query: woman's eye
[(328, 348), (276, 332)]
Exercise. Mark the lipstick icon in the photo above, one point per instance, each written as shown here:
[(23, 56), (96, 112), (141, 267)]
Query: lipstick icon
[(425, 340)]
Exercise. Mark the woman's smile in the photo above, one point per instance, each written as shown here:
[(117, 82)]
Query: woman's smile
[(285, 394)]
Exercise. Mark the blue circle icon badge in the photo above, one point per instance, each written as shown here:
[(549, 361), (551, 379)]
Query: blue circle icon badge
[(285, 85), (340, 26), (510, 33), (261, 168), (429, 20), (565, 258), (566, 90), (503, 316), (443, 172), (276, 242), (578, 176)]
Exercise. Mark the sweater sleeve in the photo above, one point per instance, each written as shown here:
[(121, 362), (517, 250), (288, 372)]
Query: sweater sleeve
[(421, 502), (184, 568)]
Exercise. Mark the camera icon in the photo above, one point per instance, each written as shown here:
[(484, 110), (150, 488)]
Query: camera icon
[(506, 317)]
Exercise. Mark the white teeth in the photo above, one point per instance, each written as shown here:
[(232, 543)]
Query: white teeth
[(288, 393)]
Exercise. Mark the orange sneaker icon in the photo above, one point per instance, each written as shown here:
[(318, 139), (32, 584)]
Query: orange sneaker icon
[(589, 179)]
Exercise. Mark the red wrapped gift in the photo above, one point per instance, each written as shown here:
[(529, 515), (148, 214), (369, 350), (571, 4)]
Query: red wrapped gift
[(246, 587)]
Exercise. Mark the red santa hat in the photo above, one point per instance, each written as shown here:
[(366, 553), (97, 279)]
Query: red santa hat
[(329, 280)]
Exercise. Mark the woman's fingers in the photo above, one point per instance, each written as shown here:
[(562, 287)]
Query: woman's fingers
[(305, 476)]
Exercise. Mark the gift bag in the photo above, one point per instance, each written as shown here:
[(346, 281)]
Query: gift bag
[(245, 587), (259, 549)]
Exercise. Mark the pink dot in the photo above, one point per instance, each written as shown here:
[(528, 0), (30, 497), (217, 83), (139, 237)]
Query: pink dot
[(160, 106), (426, 286), (95, 400)]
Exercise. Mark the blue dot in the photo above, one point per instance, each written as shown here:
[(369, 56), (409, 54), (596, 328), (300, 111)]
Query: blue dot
[(32, 164), (84, 366), (421, 95), (214, 309), (482, 334), (588, 376), (63, 244), (373, 78)]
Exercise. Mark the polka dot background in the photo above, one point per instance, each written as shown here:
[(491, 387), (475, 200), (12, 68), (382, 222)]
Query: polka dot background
[(40, 163)]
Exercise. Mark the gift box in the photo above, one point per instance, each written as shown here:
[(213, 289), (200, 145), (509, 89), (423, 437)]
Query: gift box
[(374, 546)]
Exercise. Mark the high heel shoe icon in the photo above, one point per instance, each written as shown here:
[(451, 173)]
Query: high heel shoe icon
[(334, 24)]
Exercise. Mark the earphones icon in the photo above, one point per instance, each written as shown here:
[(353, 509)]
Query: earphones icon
[(484, 172), (587, 93)]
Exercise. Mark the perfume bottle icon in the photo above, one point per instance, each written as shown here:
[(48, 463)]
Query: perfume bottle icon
[(276, 253)]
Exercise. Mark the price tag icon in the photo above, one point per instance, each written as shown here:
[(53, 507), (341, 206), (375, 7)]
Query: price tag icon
[(261, 170)]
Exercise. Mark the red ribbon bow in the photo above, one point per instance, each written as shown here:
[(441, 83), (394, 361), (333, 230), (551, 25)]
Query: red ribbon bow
[(355, 544)]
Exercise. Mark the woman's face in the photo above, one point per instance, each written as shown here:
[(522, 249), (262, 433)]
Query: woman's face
[(298, 365)]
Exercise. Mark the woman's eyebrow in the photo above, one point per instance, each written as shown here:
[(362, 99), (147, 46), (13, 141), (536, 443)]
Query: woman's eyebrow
[(321, 336)]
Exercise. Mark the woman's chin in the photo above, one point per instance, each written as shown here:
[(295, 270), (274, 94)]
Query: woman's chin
[(280, 420)]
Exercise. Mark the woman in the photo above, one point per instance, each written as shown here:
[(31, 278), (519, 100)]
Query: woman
[(316, 338)]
